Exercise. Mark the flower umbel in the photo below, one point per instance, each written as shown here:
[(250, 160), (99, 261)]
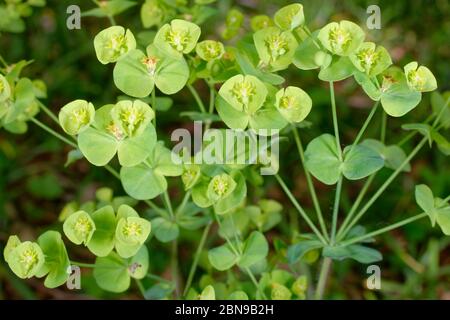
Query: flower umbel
[(277, 45), (132, 230), (26, 259), (130, 118), (79, 227), (178, 39), (244, 91), (150, 63), (339, 38), (220, 186)]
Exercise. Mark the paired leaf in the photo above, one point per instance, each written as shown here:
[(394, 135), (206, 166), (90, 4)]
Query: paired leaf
[(322, 160), (356, 252)]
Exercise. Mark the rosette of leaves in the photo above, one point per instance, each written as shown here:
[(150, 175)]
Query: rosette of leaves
[(323, 162), (113, 273), (243, 254), (177, 38), (137, 73), (246, 101), (224, 191), (393, 92), (148, 179), (124, 128), (25, 259), (436, 208), (113, 43), (275, 47)]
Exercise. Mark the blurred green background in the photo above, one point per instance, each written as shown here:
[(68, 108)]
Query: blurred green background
[(35, 185)]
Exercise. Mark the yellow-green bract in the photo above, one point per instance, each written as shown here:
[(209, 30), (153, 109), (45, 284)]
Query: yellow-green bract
[(275, 47), (113, 43), (5, 89), (209, 50), (177, 38), (419, 78), (293, 103), (124, 128), (137, 73), (76, 116), (341, 38), (24, 258), (371, 59), (290, 17)]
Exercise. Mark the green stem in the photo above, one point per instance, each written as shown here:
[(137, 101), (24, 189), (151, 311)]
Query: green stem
[(113, 171), (174, 263), (112, 20), (196, 258), (48, 112), (446, 199), (408, 137), (323, 276), (140, 287), (308, 32), (383, 230), (197, 98), (81, 264), (53, 132), (212, 93), (386, 184), (168, 204), (436, 121), (186, 197), (154, 104), (355, 206), (3, 61), (383, 127), (364, 127), (311, 187), (412, 134), (252, 277), (232, 247), (337, 200), (157, 278), (300, 209), (335, 121)]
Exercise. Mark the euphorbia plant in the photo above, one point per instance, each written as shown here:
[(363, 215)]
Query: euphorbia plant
[(248, 91)]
